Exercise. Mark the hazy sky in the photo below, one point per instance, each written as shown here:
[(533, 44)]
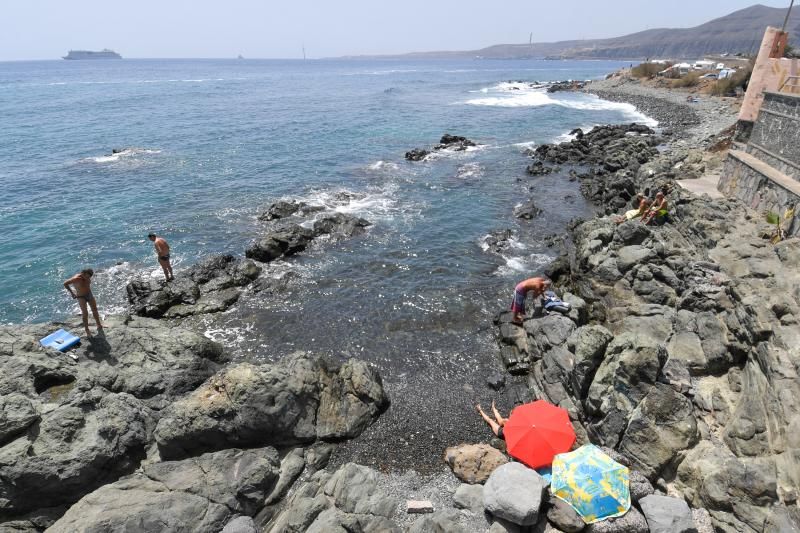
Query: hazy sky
[(46, 29)]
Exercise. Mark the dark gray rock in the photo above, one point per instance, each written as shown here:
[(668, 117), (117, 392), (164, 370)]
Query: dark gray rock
[(469, 497), (629, 256), (667, 515), (564, 517), (496, 380), (295, 401), (417, 154), (280, 209), (199, 494), (211, 285), (444, 521), (17, 413), (339, 225), (631, 522), (588, 343), (283, 242), (631, 232), (527, 210), (514, 492), (639, 486)]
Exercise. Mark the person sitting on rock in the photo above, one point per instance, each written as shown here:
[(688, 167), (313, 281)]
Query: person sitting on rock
[(657, 211), (642, 205), (497, 423), (535, 285)]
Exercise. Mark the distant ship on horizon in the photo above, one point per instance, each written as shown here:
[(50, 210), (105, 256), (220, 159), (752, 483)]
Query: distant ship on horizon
[(88, 54)]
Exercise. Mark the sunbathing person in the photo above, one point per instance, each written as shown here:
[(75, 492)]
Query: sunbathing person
[(497, 423), (657, 211), (643, 205)]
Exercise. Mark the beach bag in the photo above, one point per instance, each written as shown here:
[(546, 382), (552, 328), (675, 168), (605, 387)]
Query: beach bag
[(553, 303)]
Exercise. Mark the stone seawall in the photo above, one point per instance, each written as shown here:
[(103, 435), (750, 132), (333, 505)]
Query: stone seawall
[(776, 134)]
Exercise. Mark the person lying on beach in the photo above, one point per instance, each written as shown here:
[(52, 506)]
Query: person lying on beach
[(535, 285), (497, 423), (642, 205), (162, 251), (82, 283), (657, 211)]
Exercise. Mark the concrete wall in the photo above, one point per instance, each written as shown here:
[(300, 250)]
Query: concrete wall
[(755, 188), (775, 138)]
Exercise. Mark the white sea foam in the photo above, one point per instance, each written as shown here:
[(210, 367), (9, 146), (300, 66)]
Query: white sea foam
[(384, 165), (126, 153), (469, 171), (526, 96), (515, 264)]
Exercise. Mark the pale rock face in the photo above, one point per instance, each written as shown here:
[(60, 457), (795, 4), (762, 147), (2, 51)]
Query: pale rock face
[(474, 463)]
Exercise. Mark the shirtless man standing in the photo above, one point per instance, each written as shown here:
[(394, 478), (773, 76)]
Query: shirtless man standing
[(162, 251), (535, 285), (82, 282)]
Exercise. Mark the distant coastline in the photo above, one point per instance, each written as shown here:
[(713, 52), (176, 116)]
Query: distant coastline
[(89, 54)]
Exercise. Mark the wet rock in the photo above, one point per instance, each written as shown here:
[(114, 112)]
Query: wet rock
[(538, 169), (514, 492), (527, 210), (667, 515), (498, 241), (453, 142), (417, 154), (474, 463), (211, 285), (284, 242), (295, 401), (339, 225), (280, 209), (198, 494)]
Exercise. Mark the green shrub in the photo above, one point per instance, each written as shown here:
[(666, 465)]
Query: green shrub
[(690, 80), (647, 70), (728, 86)]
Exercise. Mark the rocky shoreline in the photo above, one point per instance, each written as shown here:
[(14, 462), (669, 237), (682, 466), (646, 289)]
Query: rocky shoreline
[(677, 358)]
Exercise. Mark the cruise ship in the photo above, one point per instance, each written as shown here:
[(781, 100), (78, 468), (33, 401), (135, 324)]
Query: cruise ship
[(87, 54)]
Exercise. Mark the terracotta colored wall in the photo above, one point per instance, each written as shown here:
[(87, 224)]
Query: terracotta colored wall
[(769, 74)]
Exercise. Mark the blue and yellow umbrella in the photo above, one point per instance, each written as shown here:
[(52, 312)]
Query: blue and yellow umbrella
[(592, 483)]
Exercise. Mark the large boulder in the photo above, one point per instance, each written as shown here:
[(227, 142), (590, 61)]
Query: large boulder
[(283, 242), (350, 499), (295, 401), (78, 424), (514, 492), (661, 426), (76, 447), (628, 372), (667, 515), (589, 344), (339, 225), (198, 494), (474, 463), (631, 522), (212, 285)]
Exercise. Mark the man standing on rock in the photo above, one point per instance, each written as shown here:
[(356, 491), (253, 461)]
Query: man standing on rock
[(535, 285), (82, 282), (162, 251)]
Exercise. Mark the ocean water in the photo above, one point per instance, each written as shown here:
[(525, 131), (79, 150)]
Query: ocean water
[(205, 144)]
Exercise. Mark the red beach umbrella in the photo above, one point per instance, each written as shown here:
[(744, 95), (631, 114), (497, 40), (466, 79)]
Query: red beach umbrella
[(536, 432)]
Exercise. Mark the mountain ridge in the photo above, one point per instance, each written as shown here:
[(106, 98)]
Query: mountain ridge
[(737, 32)]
